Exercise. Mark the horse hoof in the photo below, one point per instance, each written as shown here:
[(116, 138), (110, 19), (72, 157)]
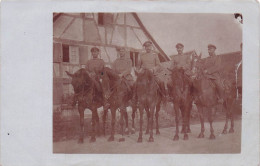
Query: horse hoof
[(92, 139), (121, 139), (147, 132), (80, 141), (201, 135), (111, 138), (224, 132), (186, 137), (132, 131), (176, 138), (151, 139), (188, 131), (212, 136), (140, 139), (231, 130), (158, 132)]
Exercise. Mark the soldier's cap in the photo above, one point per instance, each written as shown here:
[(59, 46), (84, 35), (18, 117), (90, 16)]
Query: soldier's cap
[(94, 49), (212, 46), (179, 45), (147, 43)]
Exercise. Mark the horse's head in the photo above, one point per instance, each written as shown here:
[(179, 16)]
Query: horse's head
[(80, 80), (196, 65), (108, 78)]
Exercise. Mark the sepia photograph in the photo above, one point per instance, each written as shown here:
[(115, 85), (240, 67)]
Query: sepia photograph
[(147, 83)]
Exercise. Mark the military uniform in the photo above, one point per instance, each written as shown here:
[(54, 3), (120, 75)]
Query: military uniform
[(95, 64), (149, 60), (181, 61), (123, 66), (212, 66)]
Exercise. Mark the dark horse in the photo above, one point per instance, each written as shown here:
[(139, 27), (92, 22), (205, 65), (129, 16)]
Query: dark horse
[(149, 97), (118, 93), (206, 96), (88, 95), (180, 92)]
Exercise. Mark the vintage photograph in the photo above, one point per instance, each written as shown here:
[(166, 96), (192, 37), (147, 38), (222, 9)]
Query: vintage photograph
[(147, 83)]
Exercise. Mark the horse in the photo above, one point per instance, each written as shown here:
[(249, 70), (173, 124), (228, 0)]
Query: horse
[(180, 93), (118, 94), (87, 94), (205, 96), (149, 98)]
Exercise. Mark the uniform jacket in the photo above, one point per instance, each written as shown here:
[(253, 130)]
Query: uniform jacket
[(123, 66), (183, 61), (95, 65), (149, 60)]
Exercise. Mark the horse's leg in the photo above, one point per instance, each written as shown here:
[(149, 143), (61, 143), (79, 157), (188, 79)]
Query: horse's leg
[(113, 115), (104, 121), (184, 110), (200, 109), (81, 116), (97, 126), (182, 117), (212, 136), (231, 130), (227, 117), (133, 119), (140, 138), (148, 119), (122, 114), (126, 122), (188, 117), (151, 123), (176, 109), (94, 119), (157, 117)]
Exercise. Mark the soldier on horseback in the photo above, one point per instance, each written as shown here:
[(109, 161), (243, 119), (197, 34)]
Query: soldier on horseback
[(96, 65), (123, 66), (211, 70), (182, 61), (150, 60)]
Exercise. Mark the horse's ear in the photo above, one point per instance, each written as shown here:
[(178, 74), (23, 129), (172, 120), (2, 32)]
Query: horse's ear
[(69, 74)]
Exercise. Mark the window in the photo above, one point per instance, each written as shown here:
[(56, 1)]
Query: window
[(100, 18), (66, 55), (134, 58), (105, 18)]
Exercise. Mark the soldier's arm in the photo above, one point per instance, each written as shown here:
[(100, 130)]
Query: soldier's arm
[(216, 67)]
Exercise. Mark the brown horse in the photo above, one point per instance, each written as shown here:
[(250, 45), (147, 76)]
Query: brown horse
[(117, 93), (180, 94), (206, 96), (149, 97), (88, 95)]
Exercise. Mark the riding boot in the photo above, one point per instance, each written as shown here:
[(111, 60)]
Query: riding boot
[(219, 89)]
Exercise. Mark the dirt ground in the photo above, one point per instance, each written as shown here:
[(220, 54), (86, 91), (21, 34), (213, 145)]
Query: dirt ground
[(163, 143)]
